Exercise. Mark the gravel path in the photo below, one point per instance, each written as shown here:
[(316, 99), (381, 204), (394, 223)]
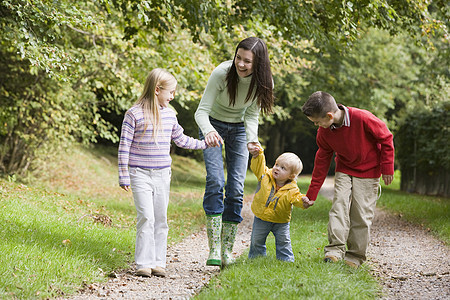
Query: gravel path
[(406, 260), (186, 269)]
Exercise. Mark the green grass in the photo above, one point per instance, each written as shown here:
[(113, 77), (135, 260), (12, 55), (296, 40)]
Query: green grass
[(51, 244), (309, 277), (48, 250), (430, 212)]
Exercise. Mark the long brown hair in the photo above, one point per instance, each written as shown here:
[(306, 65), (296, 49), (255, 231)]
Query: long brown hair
[(261, 77)]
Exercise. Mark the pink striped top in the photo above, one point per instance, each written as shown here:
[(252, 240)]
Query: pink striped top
[(138, 149)]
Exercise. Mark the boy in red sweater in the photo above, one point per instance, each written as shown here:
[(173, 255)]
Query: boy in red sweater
[(364, 151)]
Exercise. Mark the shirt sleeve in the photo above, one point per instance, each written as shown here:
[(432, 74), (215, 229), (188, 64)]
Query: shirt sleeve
[(184, 141), (296, 198), (251, 122), (384, 138), (126, 138), (258, 165), (212, 90), (322, 164)]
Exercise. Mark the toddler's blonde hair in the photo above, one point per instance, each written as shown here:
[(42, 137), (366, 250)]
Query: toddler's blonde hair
[(293, 162)]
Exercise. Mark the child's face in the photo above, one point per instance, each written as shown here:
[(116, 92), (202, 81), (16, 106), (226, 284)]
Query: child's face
[(165, 95), (244, 62), (281, 172), (324, 122)]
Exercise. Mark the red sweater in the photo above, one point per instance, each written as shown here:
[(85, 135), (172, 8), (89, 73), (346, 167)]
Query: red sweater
[(365, 149)]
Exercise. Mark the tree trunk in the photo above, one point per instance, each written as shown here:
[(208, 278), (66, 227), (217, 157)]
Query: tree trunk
[(434, 183)]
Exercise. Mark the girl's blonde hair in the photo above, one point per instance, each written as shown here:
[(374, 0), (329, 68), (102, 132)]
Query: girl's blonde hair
[(157, 78)]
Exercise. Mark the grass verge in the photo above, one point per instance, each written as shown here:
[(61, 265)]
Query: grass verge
[(72, 225), (48, 249), (309, 277), (430, 212)]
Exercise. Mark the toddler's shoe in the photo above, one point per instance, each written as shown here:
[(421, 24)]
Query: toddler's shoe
[(159, 271), (144, 272), (331, 259)]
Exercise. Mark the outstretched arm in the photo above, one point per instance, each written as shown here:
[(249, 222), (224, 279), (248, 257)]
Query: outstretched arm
[(254, 148), (306, 202)]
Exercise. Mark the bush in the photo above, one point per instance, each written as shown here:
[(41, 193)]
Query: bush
[(423, 151)]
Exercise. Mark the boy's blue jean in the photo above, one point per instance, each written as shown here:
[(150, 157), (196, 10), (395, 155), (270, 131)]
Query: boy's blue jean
[(236, 160), (261, 230)]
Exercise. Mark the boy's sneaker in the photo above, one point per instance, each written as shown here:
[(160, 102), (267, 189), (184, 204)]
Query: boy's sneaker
[(331, 259), (144, 272), (351, 264), (159, 271)]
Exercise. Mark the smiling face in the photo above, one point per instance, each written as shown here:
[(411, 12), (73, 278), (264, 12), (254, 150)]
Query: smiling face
[(244, 62), (165, 95)]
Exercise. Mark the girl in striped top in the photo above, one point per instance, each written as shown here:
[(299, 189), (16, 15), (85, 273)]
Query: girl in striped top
[(148, 128)]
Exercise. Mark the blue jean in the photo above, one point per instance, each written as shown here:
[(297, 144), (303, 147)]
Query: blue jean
[(261, 230), (236, 160)]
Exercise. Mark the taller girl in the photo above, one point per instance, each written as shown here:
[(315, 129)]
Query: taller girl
[(228, 115), (148, 128)]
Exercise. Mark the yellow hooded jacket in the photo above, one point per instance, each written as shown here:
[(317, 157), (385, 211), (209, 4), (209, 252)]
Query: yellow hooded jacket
[(268, 204)]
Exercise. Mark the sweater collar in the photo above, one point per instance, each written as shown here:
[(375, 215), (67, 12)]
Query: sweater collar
[(245, 80)]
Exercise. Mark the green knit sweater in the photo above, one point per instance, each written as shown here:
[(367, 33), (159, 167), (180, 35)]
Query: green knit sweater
[(215, 103)]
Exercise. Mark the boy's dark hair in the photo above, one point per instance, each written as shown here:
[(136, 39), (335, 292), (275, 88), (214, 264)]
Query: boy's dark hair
[(261, 81), (319, 104)]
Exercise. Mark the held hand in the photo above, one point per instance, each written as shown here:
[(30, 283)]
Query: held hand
[(253, 148), (387, 179), (126, 188), (306, 202), (213, 139)]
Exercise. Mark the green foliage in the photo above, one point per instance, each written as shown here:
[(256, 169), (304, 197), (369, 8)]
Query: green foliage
[(323, 21), (383, 74), (389, 76), (422, 139), (36, 111), (70, 69), (423, 150), (53, 99)]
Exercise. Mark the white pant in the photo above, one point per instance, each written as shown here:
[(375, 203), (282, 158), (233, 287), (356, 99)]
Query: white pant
[(151, 189)]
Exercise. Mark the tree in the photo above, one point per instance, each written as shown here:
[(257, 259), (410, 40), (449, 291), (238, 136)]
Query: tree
[(424, 152), (389, 76), (67, 66)]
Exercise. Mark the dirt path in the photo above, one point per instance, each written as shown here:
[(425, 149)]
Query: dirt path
[(187, 272), (408, 262)]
